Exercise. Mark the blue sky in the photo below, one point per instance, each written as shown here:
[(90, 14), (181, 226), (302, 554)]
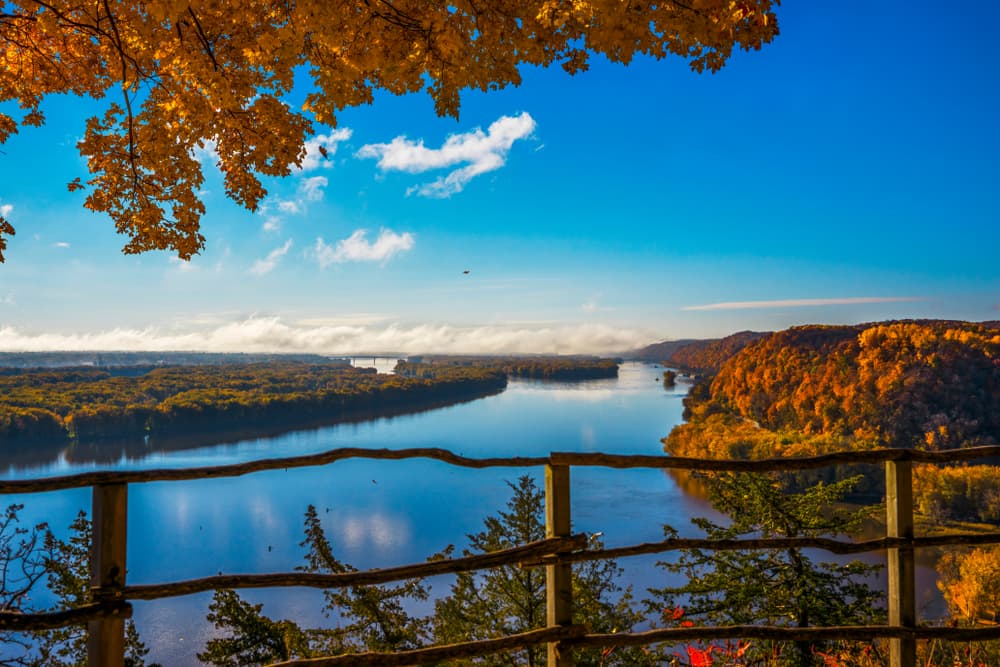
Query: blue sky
[(845, 173)]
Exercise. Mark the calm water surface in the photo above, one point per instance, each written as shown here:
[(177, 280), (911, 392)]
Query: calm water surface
[(380, 513)]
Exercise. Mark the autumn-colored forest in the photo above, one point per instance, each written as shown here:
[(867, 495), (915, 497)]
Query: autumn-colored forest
[(88, 403), (817, 389)]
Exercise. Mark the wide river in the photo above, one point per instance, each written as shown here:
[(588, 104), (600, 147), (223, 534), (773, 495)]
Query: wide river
[(380, 513)]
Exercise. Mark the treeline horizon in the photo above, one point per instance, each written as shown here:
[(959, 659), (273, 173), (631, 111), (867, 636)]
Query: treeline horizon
[(86, 404), (90, 405)]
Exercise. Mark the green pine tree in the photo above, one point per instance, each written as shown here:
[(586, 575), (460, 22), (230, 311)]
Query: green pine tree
[(509, 600), (772, 587)]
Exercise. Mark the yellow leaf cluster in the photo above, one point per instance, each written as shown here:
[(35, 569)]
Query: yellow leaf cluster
[(183, 73), (970, 583)]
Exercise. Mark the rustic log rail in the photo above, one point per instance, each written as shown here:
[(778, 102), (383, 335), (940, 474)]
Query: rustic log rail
[(110, 594)]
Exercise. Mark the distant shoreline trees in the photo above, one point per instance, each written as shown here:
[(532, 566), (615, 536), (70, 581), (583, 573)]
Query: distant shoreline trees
[(83, 405), (90, 405)]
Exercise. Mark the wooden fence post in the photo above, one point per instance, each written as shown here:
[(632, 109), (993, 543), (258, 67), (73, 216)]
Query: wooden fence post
[(106, 637), (558, 577), (902, 588)]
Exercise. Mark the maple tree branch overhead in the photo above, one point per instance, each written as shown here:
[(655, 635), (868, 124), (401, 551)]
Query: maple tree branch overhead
[(228, 80)]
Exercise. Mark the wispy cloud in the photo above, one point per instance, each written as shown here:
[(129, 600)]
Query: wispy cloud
[(182, 265), (8, 299), (6, 210), (266, 265), (357, 248), (311, 189), (271, 334), (479, 151), (802, 303), (60, 244), (320, 144)]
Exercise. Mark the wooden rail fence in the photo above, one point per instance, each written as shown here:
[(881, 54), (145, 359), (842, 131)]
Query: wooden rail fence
[(111, 595)]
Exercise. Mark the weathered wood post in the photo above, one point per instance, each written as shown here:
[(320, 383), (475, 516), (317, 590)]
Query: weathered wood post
[(106, 637), (902, 588), (558, 577)]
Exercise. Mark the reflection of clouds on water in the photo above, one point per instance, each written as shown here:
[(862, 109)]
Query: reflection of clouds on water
[(588, 438), (379, 531), (576, 395), (262, 513)]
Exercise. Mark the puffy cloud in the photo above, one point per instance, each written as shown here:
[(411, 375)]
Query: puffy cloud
[(266, 265), (316, 146), (271, 334), (801, 303), (6, 210), (479, 151), (357, 248)]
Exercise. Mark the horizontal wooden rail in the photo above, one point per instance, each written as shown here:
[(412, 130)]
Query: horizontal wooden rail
[(238, 469), (826, 544), (366, 578), (778, 633), (577, 637), (430, 654), (556, 458), (18, 622), (873, 456)]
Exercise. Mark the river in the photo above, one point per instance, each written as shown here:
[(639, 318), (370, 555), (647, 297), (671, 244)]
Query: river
[(380, 513)]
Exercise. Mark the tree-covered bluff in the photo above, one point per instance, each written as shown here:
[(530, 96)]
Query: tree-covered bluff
[(810, 390)]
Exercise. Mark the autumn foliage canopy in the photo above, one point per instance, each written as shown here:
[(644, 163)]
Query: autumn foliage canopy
[(179, 75)]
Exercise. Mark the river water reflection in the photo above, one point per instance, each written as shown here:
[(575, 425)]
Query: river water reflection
[(381, 513)]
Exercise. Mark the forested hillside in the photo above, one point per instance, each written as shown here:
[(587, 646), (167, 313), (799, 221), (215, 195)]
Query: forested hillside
[(698, 355), (815, 389)]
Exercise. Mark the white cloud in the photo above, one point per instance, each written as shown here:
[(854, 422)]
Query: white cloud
[(800, 303), (207, 153), (314, 157), (357, 248), (6, 210), (60, 244), (311, 189), (271, 334), (182, 265), (481, 152), (8, 299), (266, 265)]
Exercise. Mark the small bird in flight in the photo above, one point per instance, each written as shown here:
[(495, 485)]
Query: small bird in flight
[(466, 272)]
